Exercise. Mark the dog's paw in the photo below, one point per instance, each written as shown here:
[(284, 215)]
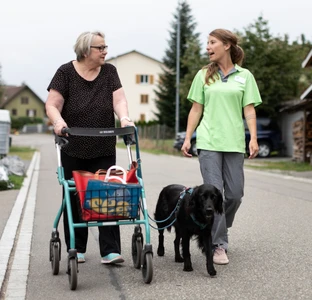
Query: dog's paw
[(179, 259), (188, 268), (212, 273), (161, 251)]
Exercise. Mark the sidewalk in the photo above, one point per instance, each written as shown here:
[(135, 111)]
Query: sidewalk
[(7, 200)]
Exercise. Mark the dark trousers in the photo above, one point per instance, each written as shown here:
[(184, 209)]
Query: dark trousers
[(109, 236)]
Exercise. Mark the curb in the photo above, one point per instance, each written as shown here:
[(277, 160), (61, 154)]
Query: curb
[(279, 175), (9, 233)]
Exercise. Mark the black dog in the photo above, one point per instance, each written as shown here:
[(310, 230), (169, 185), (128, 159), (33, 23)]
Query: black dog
[(194, 213)]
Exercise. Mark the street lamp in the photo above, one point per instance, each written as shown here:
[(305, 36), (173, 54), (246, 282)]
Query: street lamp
[(177, 116)]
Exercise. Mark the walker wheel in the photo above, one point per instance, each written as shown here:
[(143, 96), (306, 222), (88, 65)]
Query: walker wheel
[(136, 249), (147, 267), (72, 272), (55, 257)]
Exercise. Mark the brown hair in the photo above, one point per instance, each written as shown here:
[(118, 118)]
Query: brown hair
[(237, 53)]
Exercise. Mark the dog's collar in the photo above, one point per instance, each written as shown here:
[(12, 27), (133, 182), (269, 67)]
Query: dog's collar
[(182, 194), (200, 225)]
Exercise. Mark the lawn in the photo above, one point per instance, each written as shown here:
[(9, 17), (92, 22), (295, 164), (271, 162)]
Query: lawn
[(24, 153), (262, 164)]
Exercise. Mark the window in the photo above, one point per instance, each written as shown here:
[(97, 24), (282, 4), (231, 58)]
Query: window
[(144, 79), (142, 117), (14, 112), (24, 100), (31, 113), (144, 99)]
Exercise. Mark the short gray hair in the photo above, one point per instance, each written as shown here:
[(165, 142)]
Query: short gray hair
[(83, 43)]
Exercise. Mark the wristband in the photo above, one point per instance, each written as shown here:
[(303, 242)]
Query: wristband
[(125, 118)]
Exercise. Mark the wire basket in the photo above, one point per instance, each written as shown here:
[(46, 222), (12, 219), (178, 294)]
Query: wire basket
[(106, 201)]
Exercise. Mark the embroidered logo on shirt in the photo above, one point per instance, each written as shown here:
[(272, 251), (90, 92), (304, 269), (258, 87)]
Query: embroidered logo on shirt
[(240, 79)]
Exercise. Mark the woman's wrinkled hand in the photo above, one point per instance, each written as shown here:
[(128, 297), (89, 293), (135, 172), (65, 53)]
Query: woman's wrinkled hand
[(58, 126), (125, 123)]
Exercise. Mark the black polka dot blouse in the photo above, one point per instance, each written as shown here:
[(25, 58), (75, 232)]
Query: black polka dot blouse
[(87, 104)]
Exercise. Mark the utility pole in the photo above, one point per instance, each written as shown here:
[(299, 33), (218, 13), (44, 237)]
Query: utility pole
[(177, 116)]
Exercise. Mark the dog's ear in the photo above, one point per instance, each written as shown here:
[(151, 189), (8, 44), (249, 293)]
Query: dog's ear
[(218, 202)]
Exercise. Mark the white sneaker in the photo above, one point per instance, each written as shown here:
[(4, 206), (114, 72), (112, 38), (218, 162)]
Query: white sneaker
[(220, 257)]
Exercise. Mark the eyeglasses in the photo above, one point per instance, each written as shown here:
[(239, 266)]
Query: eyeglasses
[(100, 48)]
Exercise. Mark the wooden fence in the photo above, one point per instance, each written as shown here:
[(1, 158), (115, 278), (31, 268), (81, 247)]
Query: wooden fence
[(156, 132)]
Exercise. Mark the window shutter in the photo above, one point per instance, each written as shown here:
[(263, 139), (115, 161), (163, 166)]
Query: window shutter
[(138, 78), (151, 79), (142, 117)]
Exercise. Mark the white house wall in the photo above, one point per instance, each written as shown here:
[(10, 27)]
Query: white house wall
[(130, 65)]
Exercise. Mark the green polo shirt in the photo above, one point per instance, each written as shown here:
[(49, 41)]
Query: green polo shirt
[(222, 128)]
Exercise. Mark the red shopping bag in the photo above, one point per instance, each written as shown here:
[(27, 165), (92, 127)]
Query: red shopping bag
[(81, 178)]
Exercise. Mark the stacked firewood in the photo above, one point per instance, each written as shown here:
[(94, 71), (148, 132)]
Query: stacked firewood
[(298, 135), (302, 138), (308, 143)]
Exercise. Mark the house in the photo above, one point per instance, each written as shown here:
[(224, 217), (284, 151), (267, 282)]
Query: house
[(139, 75), (21, 101), (297, 116)]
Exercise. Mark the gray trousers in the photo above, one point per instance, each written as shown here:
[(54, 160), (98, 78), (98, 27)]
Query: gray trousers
[(224, 170)]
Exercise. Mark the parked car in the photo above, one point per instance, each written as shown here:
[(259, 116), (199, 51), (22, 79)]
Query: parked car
[(180, 140), (268, 133)]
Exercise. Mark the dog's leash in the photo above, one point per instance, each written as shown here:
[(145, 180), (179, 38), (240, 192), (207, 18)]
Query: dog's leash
[(176, 210)]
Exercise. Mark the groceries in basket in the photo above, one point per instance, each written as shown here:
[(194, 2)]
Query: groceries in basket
[(111, 198), (82, 178)]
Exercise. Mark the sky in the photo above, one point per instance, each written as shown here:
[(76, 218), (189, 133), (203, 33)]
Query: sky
[(37, 36)]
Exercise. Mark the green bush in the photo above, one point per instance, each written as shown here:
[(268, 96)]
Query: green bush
[(18, 123)]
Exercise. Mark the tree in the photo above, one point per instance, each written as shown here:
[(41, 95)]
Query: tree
[(193, 60), (166, 89), (275, 63)]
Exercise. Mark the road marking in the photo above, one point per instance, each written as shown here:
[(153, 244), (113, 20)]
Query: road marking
[(16, 288)]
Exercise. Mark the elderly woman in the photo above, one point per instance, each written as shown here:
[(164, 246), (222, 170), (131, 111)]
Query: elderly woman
[(86, 92)]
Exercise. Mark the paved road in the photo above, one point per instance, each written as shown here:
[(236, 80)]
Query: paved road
[(269, 243)]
